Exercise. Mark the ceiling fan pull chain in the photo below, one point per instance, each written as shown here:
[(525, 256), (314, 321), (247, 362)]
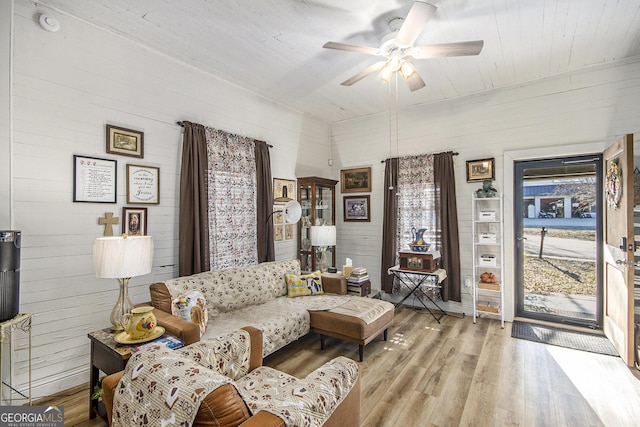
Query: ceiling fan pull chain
[(397, 123)]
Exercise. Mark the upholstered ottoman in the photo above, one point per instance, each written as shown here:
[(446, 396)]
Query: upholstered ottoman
[(358, 321)]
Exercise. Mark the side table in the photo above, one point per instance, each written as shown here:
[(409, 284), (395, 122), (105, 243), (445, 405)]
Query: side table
[(109, 357), (21, 322), (414, 279)]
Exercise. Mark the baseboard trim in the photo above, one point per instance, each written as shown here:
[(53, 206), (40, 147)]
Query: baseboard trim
[(57, 383)]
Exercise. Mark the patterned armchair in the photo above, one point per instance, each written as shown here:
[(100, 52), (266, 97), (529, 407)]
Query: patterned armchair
[(222, 382)]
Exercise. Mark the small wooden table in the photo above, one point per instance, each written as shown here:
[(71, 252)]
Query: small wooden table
[(109, 357)]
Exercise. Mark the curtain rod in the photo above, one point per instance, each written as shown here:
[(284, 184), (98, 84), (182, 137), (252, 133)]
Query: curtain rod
[(181, 124), (454, 153)]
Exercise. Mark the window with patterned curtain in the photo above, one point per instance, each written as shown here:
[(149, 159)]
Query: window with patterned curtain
[(421, 194), (231, 199), (417, 203)]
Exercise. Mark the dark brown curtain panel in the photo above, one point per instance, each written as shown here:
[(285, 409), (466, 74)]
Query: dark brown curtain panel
[(264, 203), (445, 183), (193, 211), (389, 223)]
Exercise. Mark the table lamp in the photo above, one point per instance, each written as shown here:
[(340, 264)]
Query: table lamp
[(122, 258), (323, 236)]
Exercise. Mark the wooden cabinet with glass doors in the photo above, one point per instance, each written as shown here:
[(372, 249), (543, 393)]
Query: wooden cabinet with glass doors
[(317, 198)]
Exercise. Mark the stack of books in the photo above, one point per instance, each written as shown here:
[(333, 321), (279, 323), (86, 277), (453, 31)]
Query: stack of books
[(358, 282)]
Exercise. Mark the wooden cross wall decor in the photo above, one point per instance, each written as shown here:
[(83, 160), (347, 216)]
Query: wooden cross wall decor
[(108, 221)]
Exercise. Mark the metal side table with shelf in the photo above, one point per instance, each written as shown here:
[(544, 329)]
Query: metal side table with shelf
[(21, 322), (413, 280)]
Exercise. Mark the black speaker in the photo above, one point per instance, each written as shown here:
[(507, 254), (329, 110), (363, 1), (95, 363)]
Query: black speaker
[(9, 274)]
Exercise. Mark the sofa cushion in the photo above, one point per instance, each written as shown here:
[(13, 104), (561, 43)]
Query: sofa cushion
[(304, 285), (281, 321), (233, 288), (192, 307), (308, 401)]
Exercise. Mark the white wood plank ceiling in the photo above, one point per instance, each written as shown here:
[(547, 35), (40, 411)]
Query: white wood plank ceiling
[(274, 47)]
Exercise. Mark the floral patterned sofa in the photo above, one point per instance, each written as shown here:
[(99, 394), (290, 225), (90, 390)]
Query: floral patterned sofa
[(257, 296), (221, 382)]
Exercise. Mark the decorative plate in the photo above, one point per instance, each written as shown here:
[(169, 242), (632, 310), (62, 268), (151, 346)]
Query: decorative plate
[(124, 338)]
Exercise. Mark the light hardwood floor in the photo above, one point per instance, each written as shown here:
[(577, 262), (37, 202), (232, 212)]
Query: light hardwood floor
[(460, 374)]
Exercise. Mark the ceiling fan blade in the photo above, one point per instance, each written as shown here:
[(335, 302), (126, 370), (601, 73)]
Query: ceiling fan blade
[(448, 49), (364, 73), (352, 48), (414, 81), (414, 23)]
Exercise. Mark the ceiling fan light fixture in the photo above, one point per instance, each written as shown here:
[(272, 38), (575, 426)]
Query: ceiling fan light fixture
[(398, 48), (407, 69), (394, 64), (386, 73)]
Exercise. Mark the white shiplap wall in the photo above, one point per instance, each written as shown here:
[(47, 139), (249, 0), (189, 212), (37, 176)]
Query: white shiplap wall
[(6, 18), (593, 106), (67, 86)]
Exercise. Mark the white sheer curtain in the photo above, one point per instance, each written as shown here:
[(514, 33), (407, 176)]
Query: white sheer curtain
[(416, 199), (417, 209), (231, 199)]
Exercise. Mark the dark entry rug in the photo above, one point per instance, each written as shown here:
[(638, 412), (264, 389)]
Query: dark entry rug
[(563, 338)]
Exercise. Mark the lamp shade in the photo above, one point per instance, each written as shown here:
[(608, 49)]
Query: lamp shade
[(292, 212), (323, 235), (117, 257)]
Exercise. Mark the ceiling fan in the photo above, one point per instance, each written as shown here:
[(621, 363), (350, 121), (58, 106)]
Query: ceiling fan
[(398, 49)]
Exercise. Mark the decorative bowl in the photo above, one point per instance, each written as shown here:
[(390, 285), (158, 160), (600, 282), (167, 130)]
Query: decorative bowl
[(419, 248)]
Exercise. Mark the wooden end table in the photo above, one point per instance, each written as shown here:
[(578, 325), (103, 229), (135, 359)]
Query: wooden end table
[(109, 357)]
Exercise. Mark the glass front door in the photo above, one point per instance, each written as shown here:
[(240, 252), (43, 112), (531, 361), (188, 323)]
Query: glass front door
[(557, 210)]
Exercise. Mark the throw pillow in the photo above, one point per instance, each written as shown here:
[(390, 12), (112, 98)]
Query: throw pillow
[(304, 285), (191, 307)]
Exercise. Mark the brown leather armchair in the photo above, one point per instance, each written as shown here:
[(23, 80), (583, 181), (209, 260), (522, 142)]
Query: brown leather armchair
[(225, 407)]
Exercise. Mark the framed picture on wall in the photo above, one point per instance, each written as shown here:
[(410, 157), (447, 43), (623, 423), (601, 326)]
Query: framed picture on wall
[(94, 179), (126, 142), (134, 221), (479, 170), (278, 216), (278, 231), (143, 185), (283, 191), (288, 232), (355, 180), (356, 209)]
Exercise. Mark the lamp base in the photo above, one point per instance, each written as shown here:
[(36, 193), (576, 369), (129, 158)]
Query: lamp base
[(123, 306), (324, 264)]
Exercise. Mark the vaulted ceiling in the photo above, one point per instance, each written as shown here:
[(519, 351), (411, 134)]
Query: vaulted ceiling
[(274, 47)]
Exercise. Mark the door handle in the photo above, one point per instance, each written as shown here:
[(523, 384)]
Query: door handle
[(625, 262)]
